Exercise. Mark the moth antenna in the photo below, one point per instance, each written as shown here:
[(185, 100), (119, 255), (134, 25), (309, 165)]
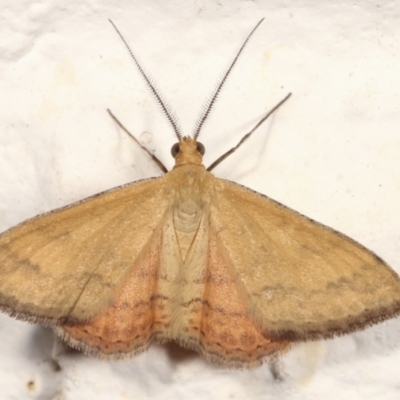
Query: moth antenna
[(209, 104), (167, 110)]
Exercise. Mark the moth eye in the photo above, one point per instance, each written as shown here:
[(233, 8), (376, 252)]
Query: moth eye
[(175, 149), (200, 148)]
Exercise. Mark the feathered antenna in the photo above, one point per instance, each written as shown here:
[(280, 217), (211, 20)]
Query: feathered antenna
[(213, 98), (155, 91)]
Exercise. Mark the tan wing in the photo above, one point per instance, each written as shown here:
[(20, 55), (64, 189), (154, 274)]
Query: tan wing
[(199, 305), (301, 280), (136, 316), (218, 325), (65, 265)]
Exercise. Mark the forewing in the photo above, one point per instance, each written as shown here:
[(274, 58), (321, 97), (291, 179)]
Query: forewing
[(66, 265), (302, 279)]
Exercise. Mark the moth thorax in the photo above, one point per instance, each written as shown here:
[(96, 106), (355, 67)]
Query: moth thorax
[(186, 223)]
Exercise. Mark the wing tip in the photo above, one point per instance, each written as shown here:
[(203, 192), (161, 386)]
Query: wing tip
[(334, 328)]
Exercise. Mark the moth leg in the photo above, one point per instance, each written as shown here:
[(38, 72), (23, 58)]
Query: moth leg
[(153, 157), (277, 369), (60, 347)]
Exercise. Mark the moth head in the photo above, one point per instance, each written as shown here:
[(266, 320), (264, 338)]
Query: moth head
[(187, 151)]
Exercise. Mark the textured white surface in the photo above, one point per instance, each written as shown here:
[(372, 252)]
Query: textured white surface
[(332, 153)]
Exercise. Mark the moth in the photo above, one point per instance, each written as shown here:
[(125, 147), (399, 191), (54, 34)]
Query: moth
[(191, 258)]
